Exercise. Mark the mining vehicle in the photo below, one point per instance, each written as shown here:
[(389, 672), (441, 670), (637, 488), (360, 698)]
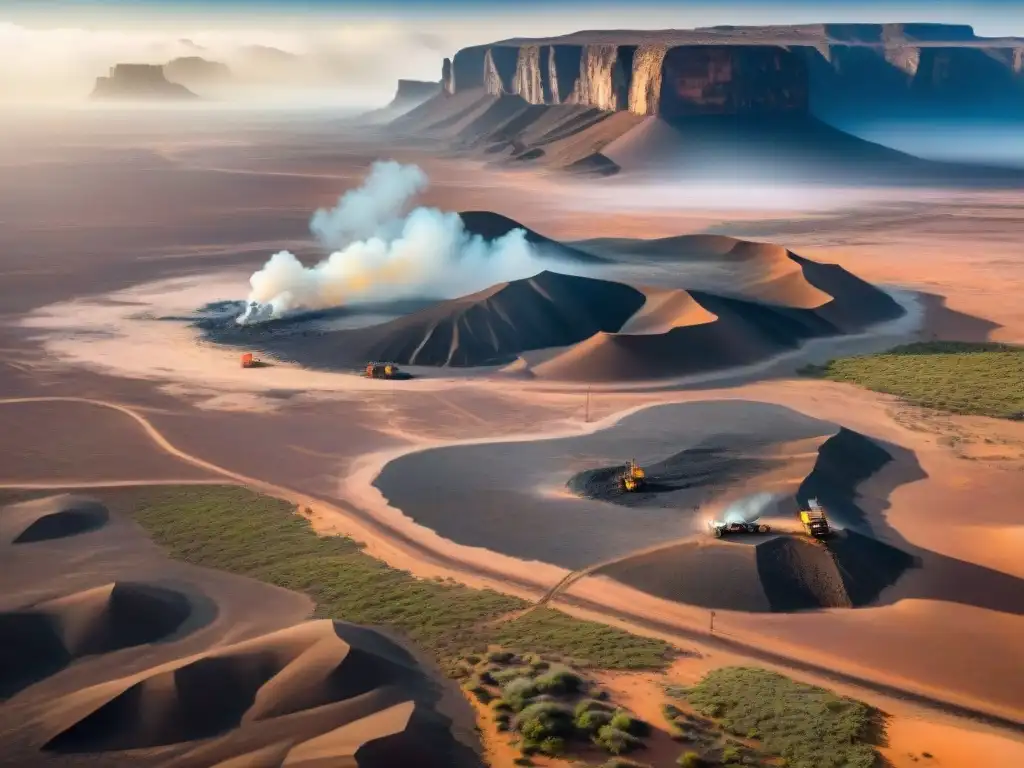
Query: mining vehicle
[(720, 529), (633, 478), (814, 520), (381, 371), (248, 361)]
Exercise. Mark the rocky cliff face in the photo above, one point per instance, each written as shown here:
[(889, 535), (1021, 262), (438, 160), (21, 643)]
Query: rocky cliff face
[(139, 81), (817, 69), (416, 91)]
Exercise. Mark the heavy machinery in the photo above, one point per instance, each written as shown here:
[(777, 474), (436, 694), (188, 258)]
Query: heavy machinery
[(633, 478), (720, 529), (381, 371), (814, 520), (248, 361)]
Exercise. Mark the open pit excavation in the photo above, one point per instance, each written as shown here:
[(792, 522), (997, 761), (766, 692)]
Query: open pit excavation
[(560, 317), (559, 501)]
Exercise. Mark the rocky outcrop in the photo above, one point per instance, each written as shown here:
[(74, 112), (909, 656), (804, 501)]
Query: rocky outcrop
[(447, 83), (139, 81), (196, 72), (823, 70), (415, 91), (645, 86)]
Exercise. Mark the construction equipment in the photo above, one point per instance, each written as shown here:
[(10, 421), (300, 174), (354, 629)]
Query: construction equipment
[(248, 361), (381, 371), (814, 520), (633, 478), (720, 529)]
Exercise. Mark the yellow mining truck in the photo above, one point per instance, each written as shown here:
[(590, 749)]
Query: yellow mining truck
[(633, 478), (381, 370), (814, 520)]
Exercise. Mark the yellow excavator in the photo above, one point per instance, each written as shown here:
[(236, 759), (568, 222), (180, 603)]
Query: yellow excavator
[(633, 478), (814, 520)]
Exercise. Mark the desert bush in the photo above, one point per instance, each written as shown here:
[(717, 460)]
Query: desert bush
[(559, 681), (500, 657), (543, 720), (588, 705), (502, 676), (517, 693), (792, 720), (553, 746), (621, 762), (593, 720), (615, 741), (731, 755), (985, 379), (690, 760), (239, 531), (631, 725)]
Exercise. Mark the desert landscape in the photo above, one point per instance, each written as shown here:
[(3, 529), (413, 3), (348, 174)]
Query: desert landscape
[(316, 425)]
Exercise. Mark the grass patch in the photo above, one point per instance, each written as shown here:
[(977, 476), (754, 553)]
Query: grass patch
[(807, 726), (237, 530), (978, 379)]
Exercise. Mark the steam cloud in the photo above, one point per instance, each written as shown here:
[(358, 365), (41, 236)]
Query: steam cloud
[(749, 508), (380, 252)]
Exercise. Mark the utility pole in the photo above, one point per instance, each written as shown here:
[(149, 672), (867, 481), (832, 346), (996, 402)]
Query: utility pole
[(587, 417)]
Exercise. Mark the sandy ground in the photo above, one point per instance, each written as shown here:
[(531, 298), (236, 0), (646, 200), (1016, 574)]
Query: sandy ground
[(129, 618), (184, 204)]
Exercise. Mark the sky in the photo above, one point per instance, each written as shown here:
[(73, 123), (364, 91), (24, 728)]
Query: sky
[(56, 48)]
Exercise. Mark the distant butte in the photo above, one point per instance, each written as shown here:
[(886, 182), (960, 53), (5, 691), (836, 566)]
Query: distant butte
[(139, 81)]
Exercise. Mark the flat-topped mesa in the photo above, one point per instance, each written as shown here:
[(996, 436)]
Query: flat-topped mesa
[(762, 71), (139, 81)]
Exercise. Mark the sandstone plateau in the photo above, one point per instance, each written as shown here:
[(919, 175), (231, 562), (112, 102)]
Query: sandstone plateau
[(826, 70)]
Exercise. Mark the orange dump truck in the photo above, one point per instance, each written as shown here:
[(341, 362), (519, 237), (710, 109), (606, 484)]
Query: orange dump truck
[(248, 361)]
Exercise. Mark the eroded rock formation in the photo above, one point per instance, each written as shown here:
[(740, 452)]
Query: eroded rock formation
[(820, 69), (139, 81)]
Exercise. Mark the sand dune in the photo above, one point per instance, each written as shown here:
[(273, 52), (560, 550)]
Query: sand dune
[(319, 691), (491, 226), (604, 331), (487, 328), (797, 299), (767, 573), (52, 518), (43, 639)]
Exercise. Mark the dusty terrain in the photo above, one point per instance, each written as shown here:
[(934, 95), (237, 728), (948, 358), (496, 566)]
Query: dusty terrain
[(204, 206)]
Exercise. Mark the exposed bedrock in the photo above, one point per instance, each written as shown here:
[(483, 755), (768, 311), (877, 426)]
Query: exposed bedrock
[(823, 69)]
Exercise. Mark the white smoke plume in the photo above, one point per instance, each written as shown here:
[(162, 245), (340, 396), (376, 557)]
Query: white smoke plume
[(749, 508), (382, 252)]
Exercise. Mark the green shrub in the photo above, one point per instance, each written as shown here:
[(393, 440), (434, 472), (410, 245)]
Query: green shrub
[(588, 705), (593, 720), (260, 537), (985, 379), (559, 682), (522, 760), (631, 725), (670, 712), (500, 657), (792, 720), (615, 741), (517, 693), (690, 760), (621, 762), (543, 720), (731, 755), (553, 746), (502, 676)]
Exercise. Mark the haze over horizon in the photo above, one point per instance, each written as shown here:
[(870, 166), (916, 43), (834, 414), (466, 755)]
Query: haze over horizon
[(54, 49)]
